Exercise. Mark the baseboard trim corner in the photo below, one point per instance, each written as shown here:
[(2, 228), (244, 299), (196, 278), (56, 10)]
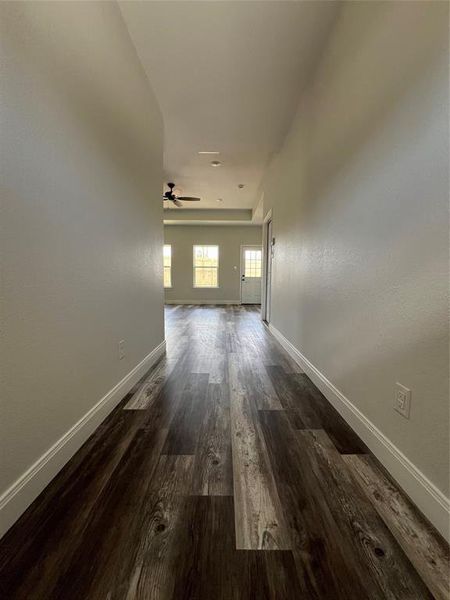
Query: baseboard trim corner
[(18, 497), (427, 497)]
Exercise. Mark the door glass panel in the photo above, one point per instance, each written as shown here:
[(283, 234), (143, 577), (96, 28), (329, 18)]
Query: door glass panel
[(252, 263)]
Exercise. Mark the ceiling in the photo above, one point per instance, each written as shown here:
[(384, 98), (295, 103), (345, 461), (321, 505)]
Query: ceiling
[(228, 77)]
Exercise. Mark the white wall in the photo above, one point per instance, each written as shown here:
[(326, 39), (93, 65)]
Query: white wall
[(229, 238), (359, 193), (81, 160)]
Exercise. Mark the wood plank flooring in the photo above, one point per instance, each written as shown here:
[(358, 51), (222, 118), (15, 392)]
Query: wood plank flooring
[(224, 474)]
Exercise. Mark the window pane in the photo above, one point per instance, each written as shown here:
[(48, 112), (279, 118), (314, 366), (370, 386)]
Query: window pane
[(206, 256), (167, 261), (167, 277), (206, 265), (205, 277)]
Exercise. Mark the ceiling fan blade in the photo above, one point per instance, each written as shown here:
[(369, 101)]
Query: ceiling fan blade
[(177, 202), (188, 198)]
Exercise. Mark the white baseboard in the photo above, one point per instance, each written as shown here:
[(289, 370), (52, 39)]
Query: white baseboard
[(16, 499), (429, 499), (196, 302)]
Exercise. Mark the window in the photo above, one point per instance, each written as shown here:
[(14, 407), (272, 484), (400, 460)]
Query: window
[(253, 263), (206, 266), (167, 257)]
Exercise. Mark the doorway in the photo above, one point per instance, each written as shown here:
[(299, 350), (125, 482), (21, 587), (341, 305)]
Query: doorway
[(251, 274), (267, 268)]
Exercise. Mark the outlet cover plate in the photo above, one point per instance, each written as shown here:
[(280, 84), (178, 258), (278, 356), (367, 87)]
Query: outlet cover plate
[(402, 400)]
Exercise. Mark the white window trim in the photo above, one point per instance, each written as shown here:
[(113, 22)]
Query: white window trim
[(205, 287)]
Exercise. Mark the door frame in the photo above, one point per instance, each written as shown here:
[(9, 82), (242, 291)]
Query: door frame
[(241, 265), (267, 250)]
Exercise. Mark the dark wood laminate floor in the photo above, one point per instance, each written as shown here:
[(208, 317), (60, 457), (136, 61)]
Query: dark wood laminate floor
[(225, 474)]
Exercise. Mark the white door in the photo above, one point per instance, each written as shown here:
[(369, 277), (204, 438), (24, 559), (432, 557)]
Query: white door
[(251, 271)]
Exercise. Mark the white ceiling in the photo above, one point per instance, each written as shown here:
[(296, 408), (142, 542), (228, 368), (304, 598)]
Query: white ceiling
[(228, 77)]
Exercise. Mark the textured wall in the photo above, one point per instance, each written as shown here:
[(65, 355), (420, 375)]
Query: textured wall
[(359, 193), (81, 160)]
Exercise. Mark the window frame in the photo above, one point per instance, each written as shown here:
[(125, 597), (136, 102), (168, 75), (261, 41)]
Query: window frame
[(167, 287), (194, 267)]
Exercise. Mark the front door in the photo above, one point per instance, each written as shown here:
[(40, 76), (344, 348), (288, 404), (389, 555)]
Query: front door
[(251, 271)]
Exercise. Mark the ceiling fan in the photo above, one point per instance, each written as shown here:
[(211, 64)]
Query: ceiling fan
[(169, 195)]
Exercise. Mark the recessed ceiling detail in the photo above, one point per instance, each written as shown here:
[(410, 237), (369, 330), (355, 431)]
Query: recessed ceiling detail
[(232, 85)]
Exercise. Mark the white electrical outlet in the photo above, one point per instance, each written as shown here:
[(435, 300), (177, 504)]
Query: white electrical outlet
[(121, 349), (402, 401)]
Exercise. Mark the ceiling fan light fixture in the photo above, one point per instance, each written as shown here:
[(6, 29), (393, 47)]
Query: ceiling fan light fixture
[(173, 195)]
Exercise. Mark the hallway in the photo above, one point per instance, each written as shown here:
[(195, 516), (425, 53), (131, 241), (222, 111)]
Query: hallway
[(223, 474)]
